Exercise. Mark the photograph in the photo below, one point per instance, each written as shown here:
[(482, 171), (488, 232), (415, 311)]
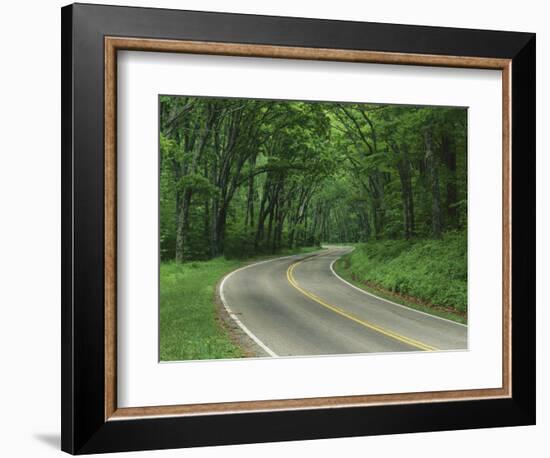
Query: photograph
[(282, 226), (310, 228)]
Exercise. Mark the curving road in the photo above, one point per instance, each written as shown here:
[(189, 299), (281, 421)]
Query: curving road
[(297, 305)]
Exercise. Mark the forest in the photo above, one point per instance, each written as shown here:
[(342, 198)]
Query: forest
[(246, 177)]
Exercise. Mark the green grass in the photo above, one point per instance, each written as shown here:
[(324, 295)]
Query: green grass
[(189, 325), (430, 275)]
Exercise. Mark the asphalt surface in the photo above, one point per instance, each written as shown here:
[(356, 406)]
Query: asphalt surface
[(297, 306)]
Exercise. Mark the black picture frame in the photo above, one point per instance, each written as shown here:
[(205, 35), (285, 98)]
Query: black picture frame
[(84, 428)]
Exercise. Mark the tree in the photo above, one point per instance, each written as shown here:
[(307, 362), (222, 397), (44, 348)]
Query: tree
[(240, 177)]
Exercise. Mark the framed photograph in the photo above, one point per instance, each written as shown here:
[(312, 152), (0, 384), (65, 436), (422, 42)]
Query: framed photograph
[(282, 228)]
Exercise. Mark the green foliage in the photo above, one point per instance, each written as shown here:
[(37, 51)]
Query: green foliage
[(200, 185), (241, 177), (434, 271), (239, 242)]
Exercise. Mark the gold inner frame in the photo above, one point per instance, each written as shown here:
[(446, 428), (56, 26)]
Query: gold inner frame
[(114, 44)]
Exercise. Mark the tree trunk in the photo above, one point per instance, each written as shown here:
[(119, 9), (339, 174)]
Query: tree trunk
[(451, 197), (183, 224), (434, 183), (261, 220), (404, 169), (219, 230), (249, 218), (270, 224), (214, 229)]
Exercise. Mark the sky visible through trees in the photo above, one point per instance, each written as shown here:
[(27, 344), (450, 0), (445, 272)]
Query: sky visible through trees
[(243, 177)]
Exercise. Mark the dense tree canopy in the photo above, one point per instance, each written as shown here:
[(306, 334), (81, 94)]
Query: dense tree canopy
[(240, 177)]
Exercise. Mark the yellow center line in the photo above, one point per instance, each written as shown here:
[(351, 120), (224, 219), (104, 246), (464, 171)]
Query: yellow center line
[(339, 311)]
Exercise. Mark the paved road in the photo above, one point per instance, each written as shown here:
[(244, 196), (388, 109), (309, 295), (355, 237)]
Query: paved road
[(297, 306)]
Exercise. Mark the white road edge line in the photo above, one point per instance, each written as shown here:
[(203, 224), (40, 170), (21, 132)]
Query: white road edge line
[(386, 300), (234, 317)]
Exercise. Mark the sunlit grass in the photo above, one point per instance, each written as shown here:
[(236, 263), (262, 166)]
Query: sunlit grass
[(189, 325)]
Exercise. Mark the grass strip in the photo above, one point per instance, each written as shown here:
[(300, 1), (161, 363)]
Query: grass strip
[(190, 328)]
